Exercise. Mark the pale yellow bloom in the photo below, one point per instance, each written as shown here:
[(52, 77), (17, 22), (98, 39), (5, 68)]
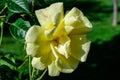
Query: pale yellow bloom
[(61, 42)]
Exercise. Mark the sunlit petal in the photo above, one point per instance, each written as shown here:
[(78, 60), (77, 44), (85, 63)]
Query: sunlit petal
[(66, 65), (53, 69), (60, 30), (79, 22), (68, 29), (37, 43), (50, 15), (32, 49), (33, 34), (36, 63), (47, 58), (85, 47), (76, 46), (64, 45)]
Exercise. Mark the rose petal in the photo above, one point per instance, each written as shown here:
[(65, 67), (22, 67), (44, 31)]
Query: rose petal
[(66, 65), (50, 15), (85, 47), (42, 62), (53, 69), (37, 42), (33, 34), (79, 22), (36, 63), (68, 29), (76, 46), (60, 30), (48, 58), (63, 46), (32, 49)]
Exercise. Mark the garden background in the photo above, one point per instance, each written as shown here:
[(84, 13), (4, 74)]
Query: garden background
[(104, 55)]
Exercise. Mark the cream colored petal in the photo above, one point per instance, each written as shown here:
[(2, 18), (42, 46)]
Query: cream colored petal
[(37, 42), (47, 58), (32, 49), (64, 45), (65, 65), (49, 34), (44, 49), (32, 34), (53, 70), (64, 49), (77, 42), (52, 14), (35, 34), (36, 63), (42, 62), (60, 30), (79, 22), (68, 29), (85, 47)]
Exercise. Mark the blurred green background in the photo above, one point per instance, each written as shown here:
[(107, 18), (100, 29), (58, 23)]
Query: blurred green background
[(104, 56)]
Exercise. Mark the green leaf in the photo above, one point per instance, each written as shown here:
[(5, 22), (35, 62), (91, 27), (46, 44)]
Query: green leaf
[(103, 34), (18, 6), (9, 14), (8, 61), (18, 28), (2, 4)]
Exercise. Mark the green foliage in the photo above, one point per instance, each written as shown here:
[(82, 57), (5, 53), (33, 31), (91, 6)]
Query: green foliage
[(7, 59), (2, 3), (103, 34), (9, 66), (17, 6), (19, 27)]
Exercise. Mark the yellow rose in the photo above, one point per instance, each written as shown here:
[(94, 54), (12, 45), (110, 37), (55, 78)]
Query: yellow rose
[(61, 42)]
